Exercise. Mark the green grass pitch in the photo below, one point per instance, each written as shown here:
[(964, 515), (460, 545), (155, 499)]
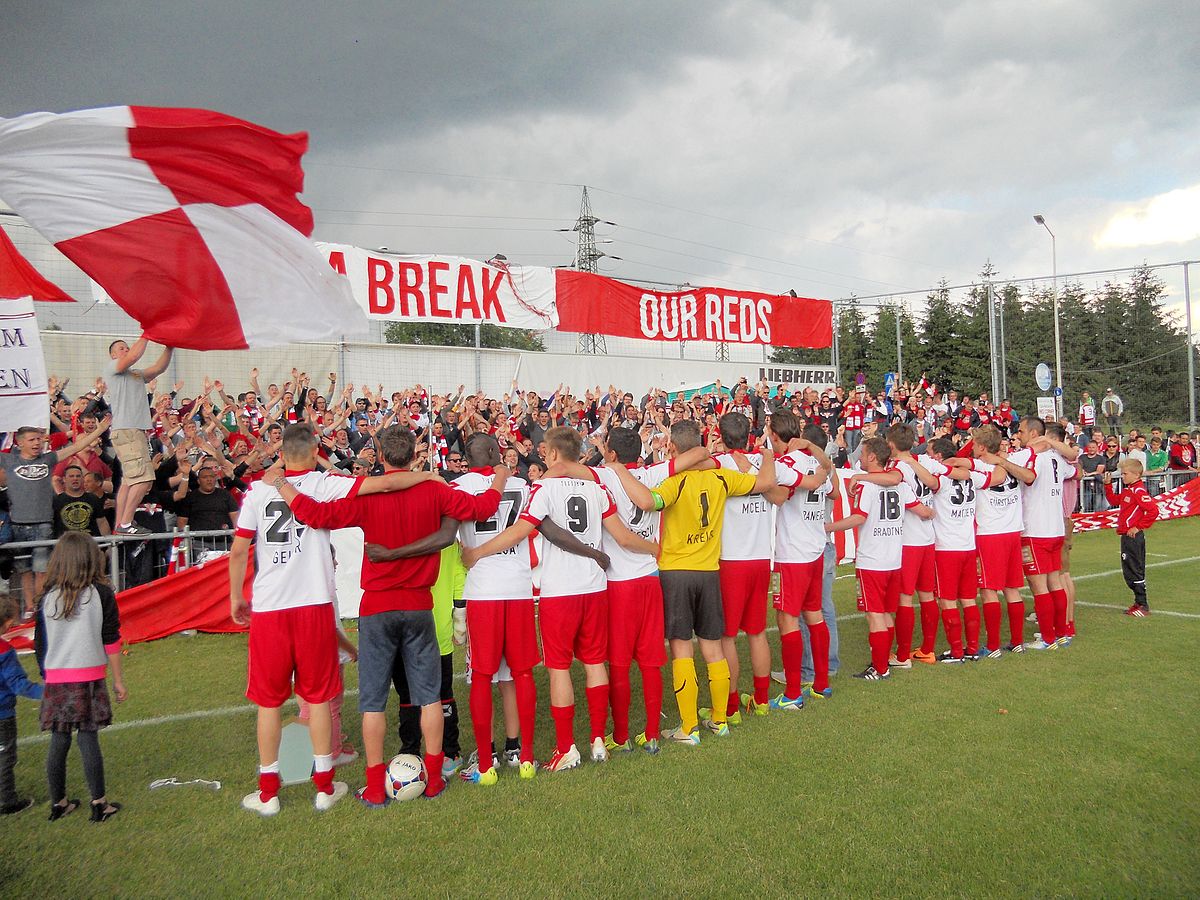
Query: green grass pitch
[(1075, 773)]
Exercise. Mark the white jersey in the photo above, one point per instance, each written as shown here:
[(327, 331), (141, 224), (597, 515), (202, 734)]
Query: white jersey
[(1041, 502), (625, 565), (293, 565), (997, 508), (918, 532), (746, 529), (954, 510), (580, 507), (880, 544), (501, 576), (800, 525)]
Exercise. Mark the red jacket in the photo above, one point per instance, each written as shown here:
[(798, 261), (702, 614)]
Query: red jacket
[(1135, 507), (393, 520)]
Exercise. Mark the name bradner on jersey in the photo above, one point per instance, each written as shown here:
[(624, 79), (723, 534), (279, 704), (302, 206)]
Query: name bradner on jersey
[(918, 532), (293, 565), (501, 576), (800, 524), (625, 565), (1041, 502), (880, 546), (746, 531), (998, 508), (580, 507)]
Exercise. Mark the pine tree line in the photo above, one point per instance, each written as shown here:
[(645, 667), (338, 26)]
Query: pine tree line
[(1118, 336)]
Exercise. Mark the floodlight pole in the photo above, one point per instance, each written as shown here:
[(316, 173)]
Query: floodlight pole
[(1191, 348), (1041, 220)]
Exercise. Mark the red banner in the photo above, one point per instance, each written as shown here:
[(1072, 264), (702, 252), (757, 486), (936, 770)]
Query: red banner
[(599, 305), (1179, 503)]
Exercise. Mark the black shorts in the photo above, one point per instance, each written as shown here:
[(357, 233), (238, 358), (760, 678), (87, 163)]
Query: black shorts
[(398, 637), (692, 604)]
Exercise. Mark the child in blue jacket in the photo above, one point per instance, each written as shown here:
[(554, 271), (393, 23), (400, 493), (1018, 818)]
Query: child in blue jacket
[(13, 683)]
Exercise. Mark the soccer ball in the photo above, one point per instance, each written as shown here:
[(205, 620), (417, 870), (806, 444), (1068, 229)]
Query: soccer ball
[(405, 778)]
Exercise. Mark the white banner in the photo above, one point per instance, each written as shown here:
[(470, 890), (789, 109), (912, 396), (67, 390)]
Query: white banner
[(23, 399), (446, 289)]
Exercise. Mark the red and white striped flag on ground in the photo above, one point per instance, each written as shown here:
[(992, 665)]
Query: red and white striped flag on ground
[(189, 219)]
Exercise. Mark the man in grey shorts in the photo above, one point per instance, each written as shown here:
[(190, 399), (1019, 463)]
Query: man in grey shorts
[(130, 422), (27, 475), (396, 613)]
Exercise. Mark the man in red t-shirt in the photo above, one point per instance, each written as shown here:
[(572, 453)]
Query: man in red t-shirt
[(854, 413), (396, 614)]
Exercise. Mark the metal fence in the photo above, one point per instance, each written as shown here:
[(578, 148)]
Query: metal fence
[(136, 559)]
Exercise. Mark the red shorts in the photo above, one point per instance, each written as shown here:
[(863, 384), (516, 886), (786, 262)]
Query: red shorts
[(635, 622), (293, 645), (1000, 564), (916, 570), (800, 586), (879, 592), (1041, 556), (574, 628), (502, 629), (957, 574), (744, 587)]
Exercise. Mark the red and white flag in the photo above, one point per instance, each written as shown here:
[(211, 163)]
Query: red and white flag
[(189, 219)]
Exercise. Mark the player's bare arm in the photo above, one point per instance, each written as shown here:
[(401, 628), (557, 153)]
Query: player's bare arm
[(1043, 443), (1023, 474), (239, 556), (431, 543), (508, 538), (888, 478), (627, 539), (845, 524), (564, 540), (765, 480)]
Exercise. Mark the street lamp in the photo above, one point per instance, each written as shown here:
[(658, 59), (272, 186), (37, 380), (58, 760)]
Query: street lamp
[(1041, 220)]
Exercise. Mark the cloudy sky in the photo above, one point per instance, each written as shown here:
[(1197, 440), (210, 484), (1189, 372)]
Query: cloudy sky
[(827, 147)]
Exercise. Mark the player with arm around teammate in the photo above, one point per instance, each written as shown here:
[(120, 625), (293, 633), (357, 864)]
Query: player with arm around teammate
[(573, 608)]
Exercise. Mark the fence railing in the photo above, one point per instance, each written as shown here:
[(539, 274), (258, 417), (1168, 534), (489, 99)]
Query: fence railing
[(191, 545), (1092, 497)]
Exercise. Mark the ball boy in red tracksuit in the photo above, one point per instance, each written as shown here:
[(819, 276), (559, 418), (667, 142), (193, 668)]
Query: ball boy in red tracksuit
[(1136, 512)]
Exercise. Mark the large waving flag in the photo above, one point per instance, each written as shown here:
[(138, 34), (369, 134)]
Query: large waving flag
[(189, 219)]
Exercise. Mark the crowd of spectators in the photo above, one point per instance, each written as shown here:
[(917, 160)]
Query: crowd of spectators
[(206, 446)]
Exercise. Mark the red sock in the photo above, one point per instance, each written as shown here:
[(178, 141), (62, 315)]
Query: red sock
[(1070, 628), (818, 636), (481, 717), (971, 620), (906, 619), (952, 622), (732, 704), (791, 648), (891, 633), (526, 711), (323, 781), (374, 792), (268, 785), (1060, 612), (1043, 607), (619, 694), (433, 773), (652, 690), (762, 688), (881, 646), (1016, 622), (597, 701), (564, 727), (991, 620), (929, 625)]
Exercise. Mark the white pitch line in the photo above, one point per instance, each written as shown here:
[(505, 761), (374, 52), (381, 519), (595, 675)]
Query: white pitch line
[(245, 708), (1157, 612)]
